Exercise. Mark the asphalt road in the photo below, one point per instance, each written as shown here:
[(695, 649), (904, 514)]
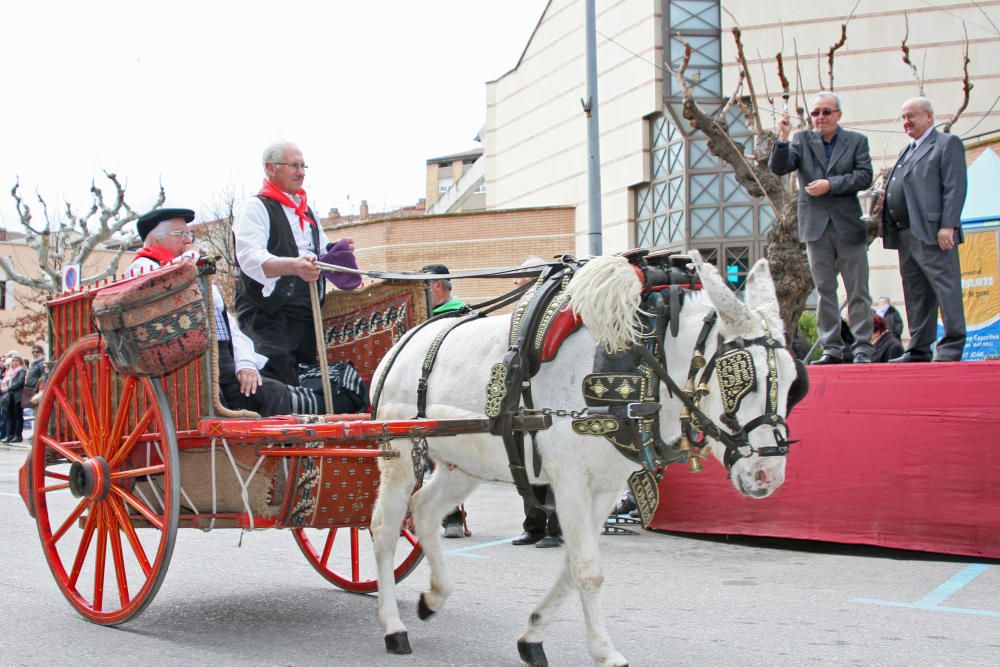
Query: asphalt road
[(669, 600)]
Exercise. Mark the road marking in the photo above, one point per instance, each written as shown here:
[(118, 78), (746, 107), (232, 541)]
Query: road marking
[(12, 495), (464, 551), (932, 601)]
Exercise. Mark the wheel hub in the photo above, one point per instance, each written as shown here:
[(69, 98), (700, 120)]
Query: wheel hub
[(90, 478)]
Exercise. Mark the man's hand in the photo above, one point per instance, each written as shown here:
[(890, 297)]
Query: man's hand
[(818, 188), (946, 238), (349, 242), (784, 127), (249, 380), (304, 267)]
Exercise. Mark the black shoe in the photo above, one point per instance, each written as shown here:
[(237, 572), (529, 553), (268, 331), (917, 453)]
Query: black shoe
[(909, 357), (16, 440), (454, 530), (5, 440), (826, 360), (549, 541), (527, 538), (862, 358)]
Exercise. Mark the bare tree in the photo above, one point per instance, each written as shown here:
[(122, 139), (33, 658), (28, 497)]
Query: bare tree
[(71, 239), (215, 235), (68, 240)]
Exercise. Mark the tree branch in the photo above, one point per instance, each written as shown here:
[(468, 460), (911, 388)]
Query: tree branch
[(742, 59), (833, 49), (966, 85), (906, 55)]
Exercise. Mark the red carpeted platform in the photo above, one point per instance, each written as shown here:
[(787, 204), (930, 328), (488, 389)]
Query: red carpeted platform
[(896, 455)]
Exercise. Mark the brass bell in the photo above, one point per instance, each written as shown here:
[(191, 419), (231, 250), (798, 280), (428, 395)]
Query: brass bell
[(703, 390), (698, 360), (684, 444), (694, 464)]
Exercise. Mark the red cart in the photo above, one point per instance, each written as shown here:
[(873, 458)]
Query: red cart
[(119, 463)]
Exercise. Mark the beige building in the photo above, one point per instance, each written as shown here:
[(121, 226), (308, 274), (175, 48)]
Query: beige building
[(456, 183), (660, 184)]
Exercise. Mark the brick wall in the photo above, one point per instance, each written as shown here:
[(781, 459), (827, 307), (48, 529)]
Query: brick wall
[(462, 242)]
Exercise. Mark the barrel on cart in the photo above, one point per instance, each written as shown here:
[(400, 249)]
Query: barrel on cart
[(119, 462)]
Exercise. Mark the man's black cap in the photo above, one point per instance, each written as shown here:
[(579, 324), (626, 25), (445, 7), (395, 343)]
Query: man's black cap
[(150, 220), (436, 268)]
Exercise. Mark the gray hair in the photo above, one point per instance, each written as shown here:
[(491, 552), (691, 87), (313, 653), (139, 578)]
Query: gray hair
[(160, 228), (922, 103), (273, 153), (832, 95)]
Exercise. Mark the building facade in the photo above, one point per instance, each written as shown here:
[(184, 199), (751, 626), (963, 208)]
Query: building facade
[(661, 186)]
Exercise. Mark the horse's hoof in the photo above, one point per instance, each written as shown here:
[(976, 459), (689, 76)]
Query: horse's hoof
[(423, 611), (398, 643), (532, 653)]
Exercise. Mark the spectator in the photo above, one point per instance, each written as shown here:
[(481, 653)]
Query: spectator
[(541, 528), (33, 379), (886, 345), (12, 387), (893, 320), (442, 301)]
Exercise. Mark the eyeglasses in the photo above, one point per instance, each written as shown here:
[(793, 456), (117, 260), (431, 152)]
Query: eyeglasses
[(826, 111), (179, 233), (294, 166)]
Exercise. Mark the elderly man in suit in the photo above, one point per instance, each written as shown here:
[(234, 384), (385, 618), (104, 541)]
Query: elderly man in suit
[(921, 219), (833, 166)]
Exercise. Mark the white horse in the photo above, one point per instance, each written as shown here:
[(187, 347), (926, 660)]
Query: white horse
[(586, 473)]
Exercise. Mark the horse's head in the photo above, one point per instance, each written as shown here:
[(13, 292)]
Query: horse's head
[(751, 380)]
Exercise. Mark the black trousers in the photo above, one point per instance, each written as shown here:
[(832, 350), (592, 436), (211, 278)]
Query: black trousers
[(272, 397), (14, 425), (540, 522), (286, 338)]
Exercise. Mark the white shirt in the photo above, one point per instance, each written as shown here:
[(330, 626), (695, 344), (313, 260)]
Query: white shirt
[(920, 139), (252, 229), (245, 355)]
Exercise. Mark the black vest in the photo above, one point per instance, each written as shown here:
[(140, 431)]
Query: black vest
[(290, 291)]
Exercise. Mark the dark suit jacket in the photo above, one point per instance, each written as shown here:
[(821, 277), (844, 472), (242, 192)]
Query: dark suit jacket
[(849, 171), (934, 182)]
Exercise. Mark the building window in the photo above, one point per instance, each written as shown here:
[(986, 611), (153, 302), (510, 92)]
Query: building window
[(481, 188), (3, 295)]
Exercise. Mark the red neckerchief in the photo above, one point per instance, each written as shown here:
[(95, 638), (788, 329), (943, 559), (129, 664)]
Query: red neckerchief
[(271, 191), (157, 253)]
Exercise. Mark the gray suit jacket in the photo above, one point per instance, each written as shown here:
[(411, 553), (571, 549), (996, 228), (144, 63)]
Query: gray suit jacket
[(849, 171), (934, 182)]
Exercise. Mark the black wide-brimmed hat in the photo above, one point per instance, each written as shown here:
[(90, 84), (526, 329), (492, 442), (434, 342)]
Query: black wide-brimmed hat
[(151, 219), (439, 269)]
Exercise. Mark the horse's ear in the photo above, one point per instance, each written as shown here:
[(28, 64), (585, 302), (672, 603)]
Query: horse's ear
[(738, 318), (761, 295)]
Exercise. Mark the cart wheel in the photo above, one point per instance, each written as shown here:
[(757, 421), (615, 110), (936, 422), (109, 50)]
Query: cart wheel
[(349, 550), (104, 463)]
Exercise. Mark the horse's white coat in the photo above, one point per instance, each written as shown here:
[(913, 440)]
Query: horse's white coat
[(586, 473)]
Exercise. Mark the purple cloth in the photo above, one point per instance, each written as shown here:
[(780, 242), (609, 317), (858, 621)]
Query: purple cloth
[(338, 253)]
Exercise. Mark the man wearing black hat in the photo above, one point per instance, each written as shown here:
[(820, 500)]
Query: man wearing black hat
[(441, 299), (165, 238), (442, 302)]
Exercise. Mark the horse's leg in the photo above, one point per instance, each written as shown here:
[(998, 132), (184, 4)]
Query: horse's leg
[(446, 489), (397, 480), (529, 646), (581, 531)]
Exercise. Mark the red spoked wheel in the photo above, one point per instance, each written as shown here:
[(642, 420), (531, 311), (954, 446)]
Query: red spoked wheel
[(349, 550), (105, 484)]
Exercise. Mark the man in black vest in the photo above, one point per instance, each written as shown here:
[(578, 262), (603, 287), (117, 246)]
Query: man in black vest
[(278, 239)]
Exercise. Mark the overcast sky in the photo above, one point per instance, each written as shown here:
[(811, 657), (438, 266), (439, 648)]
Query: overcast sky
[(190, 93)]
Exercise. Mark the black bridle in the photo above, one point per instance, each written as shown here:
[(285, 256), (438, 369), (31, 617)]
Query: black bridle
[(733, 365)]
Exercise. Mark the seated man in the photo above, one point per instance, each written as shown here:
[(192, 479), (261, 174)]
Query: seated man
[(165, 238)]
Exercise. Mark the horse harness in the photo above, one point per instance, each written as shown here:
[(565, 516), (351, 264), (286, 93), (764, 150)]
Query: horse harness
[(622, 394)]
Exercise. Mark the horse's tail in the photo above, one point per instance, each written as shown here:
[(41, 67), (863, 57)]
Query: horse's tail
[(606, 293)]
